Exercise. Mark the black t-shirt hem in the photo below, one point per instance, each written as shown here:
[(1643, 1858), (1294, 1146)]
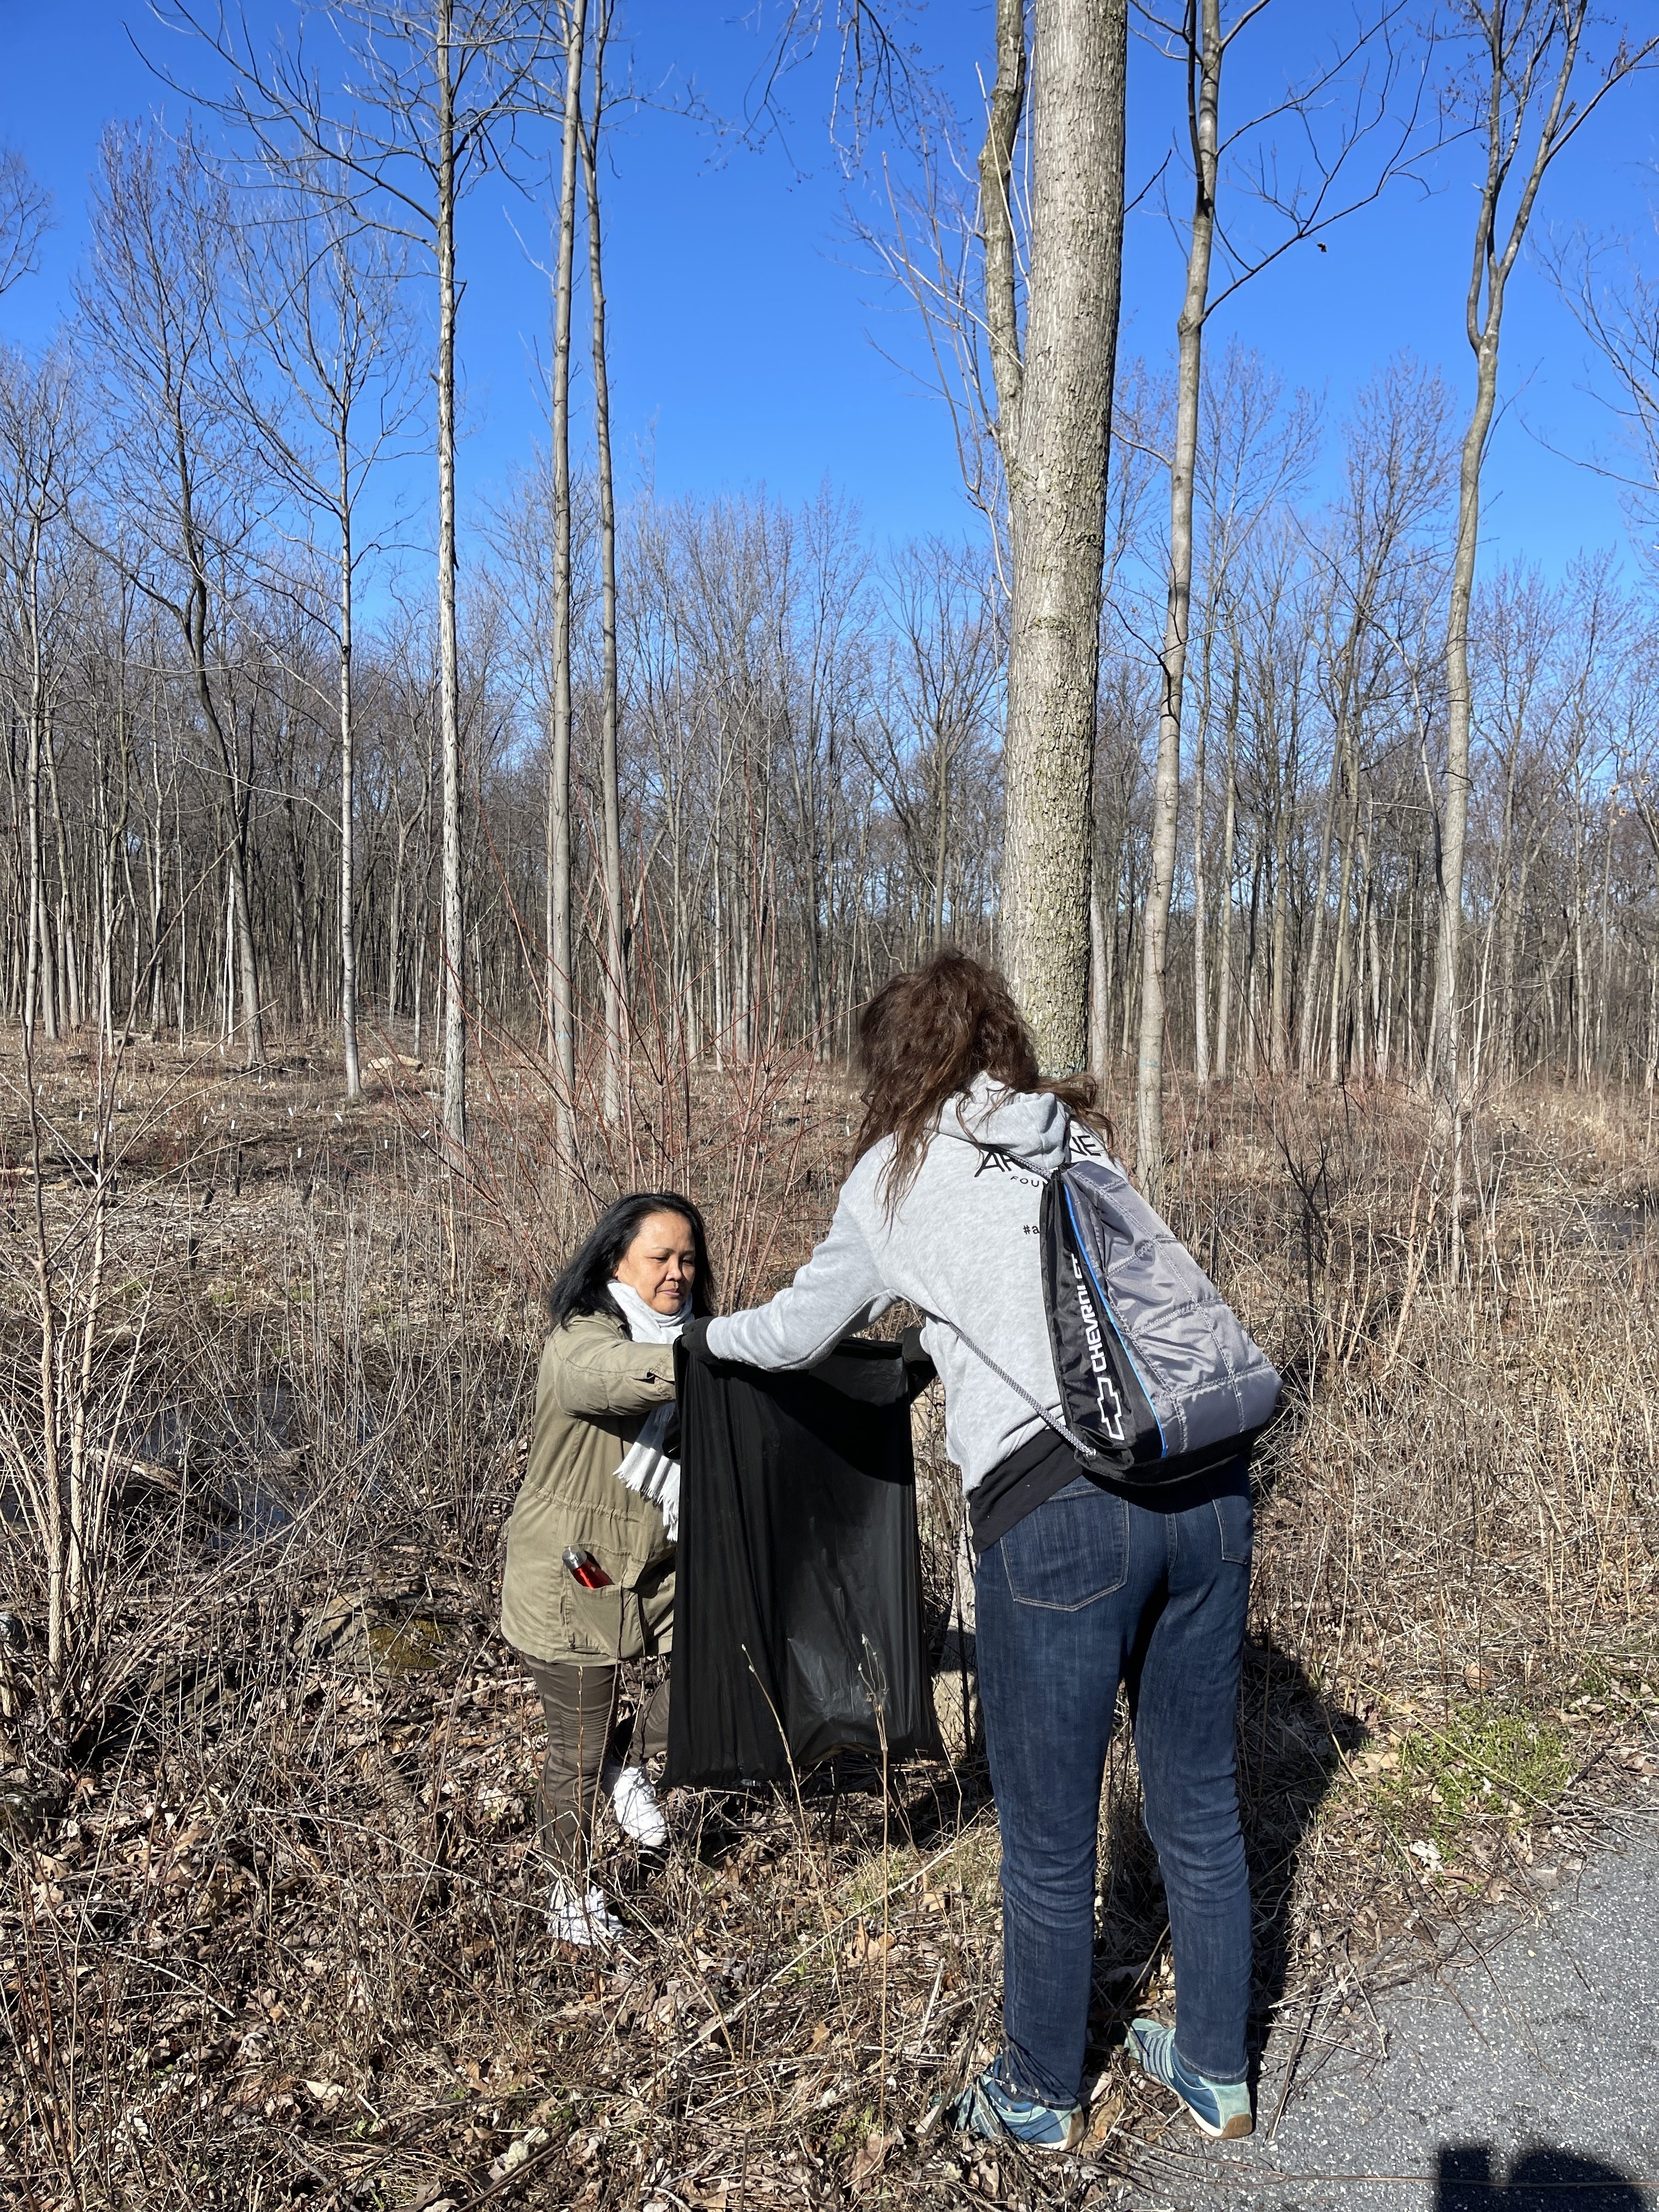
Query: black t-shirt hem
[(1045, 1464)]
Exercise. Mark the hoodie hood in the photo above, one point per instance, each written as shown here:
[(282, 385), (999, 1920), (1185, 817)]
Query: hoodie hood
[(1030, 1126), (964, 1245)]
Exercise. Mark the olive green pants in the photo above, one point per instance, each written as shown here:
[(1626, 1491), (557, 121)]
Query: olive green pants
[(585, 1728)]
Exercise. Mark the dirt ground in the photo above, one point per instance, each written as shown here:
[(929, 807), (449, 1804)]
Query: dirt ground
[(270, 1923)]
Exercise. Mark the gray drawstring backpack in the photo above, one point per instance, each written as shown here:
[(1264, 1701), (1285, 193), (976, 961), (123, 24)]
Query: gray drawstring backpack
[(1158, 1378)]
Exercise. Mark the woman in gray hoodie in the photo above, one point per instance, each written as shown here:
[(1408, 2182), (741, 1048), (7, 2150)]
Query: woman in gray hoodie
[(1081, 1583)]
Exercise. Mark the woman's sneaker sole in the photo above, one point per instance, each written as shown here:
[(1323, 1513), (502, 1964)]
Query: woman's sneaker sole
[(1231, 2130), (1220, 2110)]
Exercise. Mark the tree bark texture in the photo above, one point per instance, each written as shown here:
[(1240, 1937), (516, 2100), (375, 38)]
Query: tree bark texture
[(561, 966), (616, 979), (1054, 404), (1204, 93), (354, 1080), (452, 923)]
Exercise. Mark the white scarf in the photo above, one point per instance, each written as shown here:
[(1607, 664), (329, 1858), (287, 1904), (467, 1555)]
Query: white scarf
[(647, 1468)]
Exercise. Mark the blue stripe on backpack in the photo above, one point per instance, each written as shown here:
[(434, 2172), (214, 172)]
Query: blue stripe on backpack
[(1157, 1378)]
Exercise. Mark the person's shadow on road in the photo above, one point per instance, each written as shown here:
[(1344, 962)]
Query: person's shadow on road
[(1541, 2180)]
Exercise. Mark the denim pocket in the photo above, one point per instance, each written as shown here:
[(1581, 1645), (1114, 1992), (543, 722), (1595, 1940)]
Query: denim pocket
[(1236, 1518), (1069, 1550)]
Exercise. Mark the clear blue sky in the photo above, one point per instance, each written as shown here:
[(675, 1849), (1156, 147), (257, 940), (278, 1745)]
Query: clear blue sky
[(742, 323)]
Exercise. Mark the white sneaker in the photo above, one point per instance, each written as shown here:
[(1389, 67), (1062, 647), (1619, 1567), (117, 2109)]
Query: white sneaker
[(633, 1801), (586, 1922)]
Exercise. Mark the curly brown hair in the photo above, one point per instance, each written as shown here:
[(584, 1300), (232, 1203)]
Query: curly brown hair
[(921, 1041)]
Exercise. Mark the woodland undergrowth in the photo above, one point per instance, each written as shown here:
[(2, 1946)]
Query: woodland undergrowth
[(270, 1927)]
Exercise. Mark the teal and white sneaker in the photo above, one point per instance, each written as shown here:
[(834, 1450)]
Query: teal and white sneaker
[(990, 2106), (1222, 2109)]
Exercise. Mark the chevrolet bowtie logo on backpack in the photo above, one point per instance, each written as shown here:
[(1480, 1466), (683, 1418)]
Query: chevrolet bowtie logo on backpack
[(1107, 1402), (1158, 1376)]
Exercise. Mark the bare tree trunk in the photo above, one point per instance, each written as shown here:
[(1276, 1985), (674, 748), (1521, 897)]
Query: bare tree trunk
[(1252, 970), (1339, 952), (194, 622), (452, 939), (1279, 1016), (1580, 987), (1518, 36), (354, 1080), (68, 956), (157, 881), (1053, 414), (1204, 96), (1200, 916), (560, 977), (1455, 815), (1501, 933), (1100, 981), (395, 918), (941, 839), (242, 924), (1320, 886), (1604, 978), (1372, 938), (36, 953), (616, 975), (183, 934), (1224, 888)]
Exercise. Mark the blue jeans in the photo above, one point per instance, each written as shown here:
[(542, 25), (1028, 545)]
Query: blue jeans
[(1086, 1590)]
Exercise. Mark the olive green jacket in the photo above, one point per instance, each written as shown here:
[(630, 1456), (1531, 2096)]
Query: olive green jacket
[(594, 1389)]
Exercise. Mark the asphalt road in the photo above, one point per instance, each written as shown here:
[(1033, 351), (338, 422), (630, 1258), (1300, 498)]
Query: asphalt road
[(1528, 2083)]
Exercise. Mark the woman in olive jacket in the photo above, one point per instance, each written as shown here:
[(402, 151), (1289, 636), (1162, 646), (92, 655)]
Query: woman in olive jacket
[(589, 1545)]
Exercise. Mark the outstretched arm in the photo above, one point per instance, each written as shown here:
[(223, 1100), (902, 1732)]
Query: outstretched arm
[(590, 1372), (838, 1289)]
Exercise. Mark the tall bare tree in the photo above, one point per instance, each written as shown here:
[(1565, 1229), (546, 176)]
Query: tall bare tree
[(25, 217), (322, 382), (933, 713), (1393, 478), (152, 307), (1310, 201), (41, 463), (1053, 379), (433, 95), (561, 973), (1531, 59), (615, 949), (1252, 452)]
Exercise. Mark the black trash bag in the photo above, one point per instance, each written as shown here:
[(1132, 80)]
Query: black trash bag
[(798, 1586)]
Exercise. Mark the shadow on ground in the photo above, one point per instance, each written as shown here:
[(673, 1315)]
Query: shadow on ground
[(1289, 1761), (1292, 1740), (1541, 2180)]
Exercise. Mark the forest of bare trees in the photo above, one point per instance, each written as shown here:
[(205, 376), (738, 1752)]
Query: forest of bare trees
[(716, 766), (401, 857), (808, 753)]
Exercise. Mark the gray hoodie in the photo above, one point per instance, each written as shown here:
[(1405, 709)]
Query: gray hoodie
[(961, 1244)]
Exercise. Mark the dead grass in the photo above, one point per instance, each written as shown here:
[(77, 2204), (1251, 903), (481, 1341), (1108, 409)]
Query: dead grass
[(270, 1926)]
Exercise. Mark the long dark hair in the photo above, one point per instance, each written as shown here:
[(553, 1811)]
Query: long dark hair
[(583, 1288), (924, 1038)]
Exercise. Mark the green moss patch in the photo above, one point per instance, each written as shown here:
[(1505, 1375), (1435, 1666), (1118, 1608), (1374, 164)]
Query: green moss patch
[(1490, 1763), (412, 1646)]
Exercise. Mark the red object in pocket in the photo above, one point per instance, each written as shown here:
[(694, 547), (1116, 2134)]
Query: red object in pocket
[(586, 1569)]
